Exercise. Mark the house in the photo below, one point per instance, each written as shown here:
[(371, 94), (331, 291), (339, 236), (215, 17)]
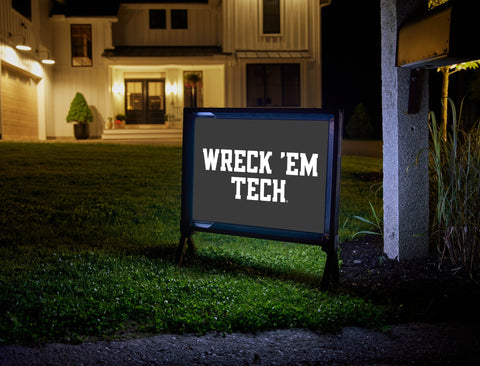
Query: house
[(147, 60)]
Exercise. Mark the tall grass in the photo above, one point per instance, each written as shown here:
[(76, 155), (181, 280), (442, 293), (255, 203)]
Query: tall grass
[(455, 183)]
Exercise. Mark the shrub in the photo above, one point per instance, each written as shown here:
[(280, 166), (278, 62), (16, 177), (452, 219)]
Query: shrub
[(455, 184), (79, 110), (359, 126)]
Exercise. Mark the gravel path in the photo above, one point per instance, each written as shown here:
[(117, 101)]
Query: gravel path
[(413, 343)]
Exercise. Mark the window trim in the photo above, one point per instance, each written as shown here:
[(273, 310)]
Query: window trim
[(282, 20)]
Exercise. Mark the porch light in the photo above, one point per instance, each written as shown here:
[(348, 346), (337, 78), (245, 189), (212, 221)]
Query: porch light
[(118, 88), (171, 88)]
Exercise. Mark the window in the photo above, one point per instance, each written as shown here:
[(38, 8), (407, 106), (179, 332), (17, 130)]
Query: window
[(24, 7), (81, 44), (158, 19), (273, 85), (179, 19), (193, 89), (271, 16)]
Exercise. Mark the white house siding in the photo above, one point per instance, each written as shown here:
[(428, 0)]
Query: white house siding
[(91, 81), (299, 42), (133, 26), (242, 26), (214, 87)]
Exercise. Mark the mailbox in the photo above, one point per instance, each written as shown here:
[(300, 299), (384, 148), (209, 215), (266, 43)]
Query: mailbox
[(445, 36)]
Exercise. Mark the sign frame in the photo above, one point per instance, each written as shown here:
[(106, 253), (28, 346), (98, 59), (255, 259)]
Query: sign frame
[(327, 239)]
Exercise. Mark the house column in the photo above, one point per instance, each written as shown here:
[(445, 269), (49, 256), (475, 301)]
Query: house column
[(405, 182)]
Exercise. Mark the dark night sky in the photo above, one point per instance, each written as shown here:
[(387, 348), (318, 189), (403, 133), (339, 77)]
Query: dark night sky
[(351, 57)]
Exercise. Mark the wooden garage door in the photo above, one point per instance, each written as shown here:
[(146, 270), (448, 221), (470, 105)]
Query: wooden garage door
[(19, 105)]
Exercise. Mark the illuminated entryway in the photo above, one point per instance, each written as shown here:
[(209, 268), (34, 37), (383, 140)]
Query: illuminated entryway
[(145, 101)]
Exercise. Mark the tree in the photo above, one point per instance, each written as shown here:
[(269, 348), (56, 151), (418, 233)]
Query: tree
[(446, 72), (79, 110)]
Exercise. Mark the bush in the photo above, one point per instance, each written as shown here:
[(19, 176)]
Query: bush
[(455, 185), (79, 110), (359, 125)]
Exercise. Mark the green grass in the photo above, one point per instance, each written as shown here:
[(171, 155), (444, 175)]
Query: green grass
[(88, 234)]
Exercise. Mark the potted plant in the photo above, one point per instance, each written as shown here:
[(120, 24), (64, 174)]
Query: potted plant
[(81, 115), (120, 120)]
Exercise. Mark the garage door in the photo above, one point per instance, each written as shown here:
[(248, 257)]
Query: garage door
[(19, 105)]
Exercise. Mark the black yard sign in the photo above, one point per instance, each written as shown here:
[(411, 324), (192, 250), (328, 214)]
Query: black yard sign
[(265, 173)]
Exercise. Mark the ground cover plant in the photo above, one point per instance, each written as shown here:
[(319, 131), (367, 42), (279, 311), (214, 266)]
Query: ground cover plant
[(88, 234)]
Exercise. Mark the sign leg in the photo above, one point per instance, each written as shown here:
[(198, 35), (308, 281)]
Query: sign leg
[(185, 246), (331, 271)]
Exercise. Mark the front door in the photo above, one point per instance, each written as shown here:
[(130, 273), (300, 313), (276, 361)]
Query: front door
[(145, 101)]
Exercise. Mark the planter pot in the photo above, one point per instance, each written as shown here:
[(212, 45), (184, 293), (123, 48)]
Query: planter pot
[(81, 131)]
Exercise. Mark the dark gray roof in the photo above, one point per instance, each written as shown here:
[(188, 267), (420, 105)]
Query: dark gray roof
[(102, 8), (163, 51), (86, 8)]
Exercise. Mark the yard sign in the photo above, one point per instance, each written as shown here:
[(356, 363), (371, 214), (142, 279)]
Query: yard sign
[(265, 173)]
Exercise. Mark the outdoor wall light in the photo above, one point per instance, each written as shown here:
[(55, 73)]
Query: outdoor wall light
[(46, 60), (172, 88), (118, 89), (22, 44)]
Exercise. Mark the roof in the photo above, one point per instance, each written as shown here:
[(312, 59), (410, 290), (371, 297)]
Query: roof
[(86, 8), (273, 54), (101, 8), (163, 51)]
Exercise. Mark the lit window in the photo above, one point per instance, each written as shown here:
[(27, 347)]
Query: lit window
[(158, 19), (81, 44)]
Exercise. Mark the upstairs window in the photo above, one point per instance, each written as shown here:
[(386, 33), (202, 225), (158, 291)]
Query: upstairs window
[(24, 7), (81, 44), (158, 19), (179, 19), (271, 17)]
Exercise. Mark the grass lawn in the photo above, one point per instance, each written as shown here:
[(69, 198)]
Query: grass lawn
[(88, 234)]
